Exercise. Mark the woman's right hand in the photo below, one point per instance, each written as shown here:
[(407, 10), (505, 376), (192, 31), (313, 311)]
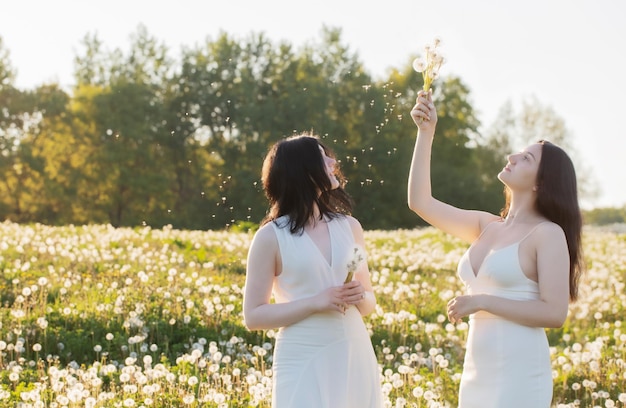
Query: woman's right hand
[(424, 113)]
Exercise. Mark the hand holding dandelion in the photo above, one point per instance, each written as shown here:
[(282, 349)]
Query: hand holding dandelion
[(429, 63)]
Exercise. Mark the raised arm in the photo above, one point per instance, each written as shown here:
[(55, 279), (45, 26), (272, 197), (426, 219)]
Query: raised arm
[(464, 224)]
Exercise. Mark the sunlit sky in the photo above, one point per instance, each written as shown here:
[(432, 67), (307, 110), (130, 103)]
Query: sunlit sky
[(569, 54)]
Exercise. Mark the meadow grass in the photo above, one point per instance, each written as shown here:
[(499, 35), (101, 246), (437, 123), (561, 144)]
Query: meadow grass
[(95, 316)]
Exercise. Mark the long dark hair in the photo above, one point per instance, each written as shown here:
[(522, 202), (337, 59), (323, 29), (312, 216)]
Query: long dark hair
[(295, 180), (557, 200)]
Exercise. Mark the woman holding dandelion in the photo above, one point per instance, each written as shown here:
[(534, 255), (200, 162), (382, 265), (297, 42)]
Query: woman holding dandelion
[(308, 255), (520, 271)]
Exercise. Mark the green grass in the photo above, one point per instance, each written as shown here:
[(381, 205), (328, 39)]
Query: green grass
[(100, 317)]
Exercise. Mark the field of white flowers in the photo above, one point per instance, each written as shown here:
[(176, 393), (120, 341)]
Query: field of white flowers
[(95, 316)]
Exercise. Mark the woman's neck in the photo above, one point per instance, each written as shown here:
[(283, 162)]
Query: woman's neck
[(522, 215)]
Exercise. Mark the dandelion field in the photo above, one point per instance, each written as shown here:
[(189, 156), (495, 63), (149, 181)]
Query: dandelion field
[(94, 316)]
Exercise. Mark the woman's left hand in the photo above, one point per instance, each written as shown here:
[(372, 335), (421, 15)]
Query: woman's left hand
[(353, 292), (462, 306)]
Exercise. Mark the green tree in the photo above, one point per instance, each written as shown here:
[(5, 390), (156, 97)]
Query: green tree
[(7, 72), (457, 171), (123, 101), (144, 140), (23, 184)]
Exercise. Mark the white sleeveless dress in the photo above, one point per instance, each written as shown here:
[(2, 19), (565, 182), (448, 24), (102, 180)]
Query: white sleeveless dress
[(326, 360), (506, 364)]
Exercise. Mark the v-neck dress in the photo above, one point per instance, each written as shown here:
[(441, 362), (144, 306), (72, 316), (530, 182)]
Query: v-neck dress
[(325, 360), (506, 364)]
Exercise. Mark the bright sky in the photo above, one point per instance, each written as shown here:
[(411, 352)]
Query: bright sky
[(569, 54)]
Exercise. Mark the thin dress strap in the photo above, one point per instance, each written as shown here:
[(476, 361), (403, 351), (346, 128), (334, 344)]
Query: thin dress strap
[(485, 229), (532, 230)]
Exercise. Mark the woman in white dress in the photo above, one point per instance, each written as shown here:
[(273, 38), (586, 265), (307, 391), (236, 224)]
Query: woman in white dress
[(301, 256), (521, 269)]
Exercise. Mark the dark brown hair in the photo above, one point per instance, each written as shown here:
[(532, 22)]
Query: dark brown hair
[(295, 180), (557, 200)]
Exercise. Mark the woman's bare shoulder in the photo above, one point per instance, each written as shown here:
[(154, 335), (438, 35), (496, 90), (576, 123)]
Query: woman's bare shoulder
[(547, 232), (265, 234)]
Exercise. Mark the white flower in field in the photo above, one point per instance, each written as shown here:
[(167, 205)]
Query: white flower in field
[(62, 399), (196, 354), (386, 388), (18, 313), (400, 402), (189, 399), (141, 378), (42, 323), (37, 347), (25, 396), (154, 348), (129, 402), (193, 380), (418, 392)]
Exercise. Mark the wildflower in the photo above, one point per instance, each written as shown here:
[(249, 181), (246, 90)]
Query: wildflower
[(354, 263), (129, 402), (429, 64)]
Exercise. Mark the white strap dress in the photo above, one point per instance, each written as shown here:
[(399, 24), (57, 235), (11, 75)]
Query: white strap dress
[(326, 360), (506, 364)]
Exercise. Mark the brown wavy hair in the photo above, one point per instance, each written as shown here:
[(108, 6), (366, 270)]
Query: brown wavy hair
[(295, 180)]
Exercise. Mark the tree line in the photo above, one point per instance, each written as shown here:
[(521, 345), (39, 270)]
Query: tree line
[(143, 138)]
